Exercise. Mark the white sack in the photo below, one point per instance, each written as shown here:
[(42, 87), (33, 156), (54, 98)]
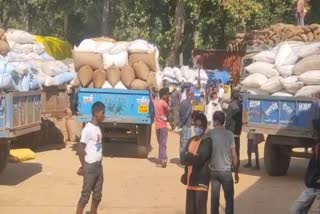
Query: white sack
[(265, 56), (19, 36), (120, 85), (87, 45), (286, 55), (309, 91), (121, 59), (285, 71), (255, 80), (254, 91), (272, 85), (168, 72), (119, 47), (169, 80), (310, 77), (308, 49), (178, 74), (282, 94), (104, 47), (53, 68), (291, 84), (203, 75), (264, 68), (157, 59), (139, 46), (107, 85)]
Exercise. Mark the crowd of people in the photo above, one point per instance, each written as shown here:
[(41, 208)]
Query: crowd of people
[(209, 154)]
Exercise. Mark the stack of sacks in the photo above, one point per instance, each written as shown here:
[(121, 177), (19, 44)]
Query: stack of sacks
[(26, 66), (289, 69), (184, 74), (104, 63)]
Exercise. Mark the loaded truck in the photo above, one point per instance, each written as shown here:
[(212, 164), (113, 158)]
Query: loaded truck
[(127, 125), (288, 122)]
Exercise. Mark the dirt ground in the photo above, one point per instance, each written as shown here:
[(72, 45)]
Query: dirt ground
[(49, 185)]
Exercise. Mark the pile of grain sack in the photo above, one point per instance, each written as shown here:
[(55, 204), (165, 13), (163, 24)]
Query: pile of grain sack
[(289, 69), (274, 35), (105, 63), (25, 65), (183, 75)]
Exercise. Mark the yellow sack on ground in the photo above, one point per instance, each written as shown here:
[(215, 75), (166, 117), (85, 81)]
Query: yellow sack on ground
[(21, 155), (55, 47)]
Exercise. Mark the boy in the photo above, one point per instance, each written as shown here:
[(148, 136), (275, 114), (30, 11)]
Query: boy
[(253, 141), (90, 155)]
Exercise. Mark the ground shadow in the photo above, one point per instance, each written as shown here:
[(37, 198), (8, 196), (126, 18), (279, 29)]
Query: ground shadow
[(153, 160), (254, 197), (175, 161), (16, 173), (121, 150), (50, 148)]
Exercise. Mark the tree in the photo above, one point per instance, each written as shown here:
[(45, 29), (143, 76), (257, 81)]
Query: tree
[(179, 24)]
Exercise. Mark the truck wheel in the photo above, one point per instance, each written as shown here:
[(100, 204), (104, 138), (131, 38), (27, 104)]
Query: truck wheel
[(276, 157), (143, 140), (4, 154)]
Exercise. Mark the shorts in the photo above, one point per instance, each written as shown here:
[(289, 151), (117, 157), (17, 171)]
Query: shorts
[(252, 146)]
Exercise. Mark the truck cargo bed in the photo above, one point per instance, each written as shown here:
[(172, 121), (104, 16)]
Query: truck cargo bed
[(286, 116), (122, 106)]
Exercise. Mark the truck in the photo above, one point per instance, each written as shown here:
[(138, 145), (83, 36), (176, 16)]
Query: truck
[(20, 120), (289, 123), (128, 119)]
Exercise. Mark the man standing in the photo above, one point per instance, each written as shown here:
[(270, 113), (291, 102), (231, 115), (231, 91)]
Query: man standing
[(300, 13), (185, 121), (223, 157), (212, 107), (175, 106), (161, 111), (234, 120), (312, 182)]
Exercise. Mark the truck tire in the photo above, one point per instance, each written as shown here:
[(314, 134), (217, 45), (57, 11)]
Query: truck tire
[(4, 154), (143, 141), (276, 157)]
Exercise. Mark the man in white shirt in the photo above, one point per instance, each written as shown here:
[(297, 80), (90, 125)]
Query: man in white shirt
[(221, 90), (212, 107), (90, 155)]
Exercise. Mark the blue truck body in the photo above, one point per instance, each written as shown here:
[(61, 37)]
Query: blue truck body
[(122, 106), (128, 118), (20, 113), (288, 116)]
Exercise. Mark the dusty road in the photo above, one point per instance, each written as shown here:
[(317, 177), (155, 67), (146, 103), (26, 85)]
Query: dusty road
[(49, 185)]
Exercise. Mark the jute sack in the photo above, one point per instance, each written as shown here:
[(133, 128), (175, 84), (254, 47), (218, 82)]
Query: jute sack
[(62, 126), (141, 70), (127, 76), (310, 77), (309, 91), (113, 75), (99, 78), (85, 75), (3, 38), (152, 80), (4, 48), (83, 58), (148, 59), (307, 64), (74, 129), (139, 85)]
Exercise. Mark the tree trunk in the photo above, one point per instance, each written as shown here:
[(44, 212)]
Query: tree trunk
[(105, 16), (179, 24), (65, 24)]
